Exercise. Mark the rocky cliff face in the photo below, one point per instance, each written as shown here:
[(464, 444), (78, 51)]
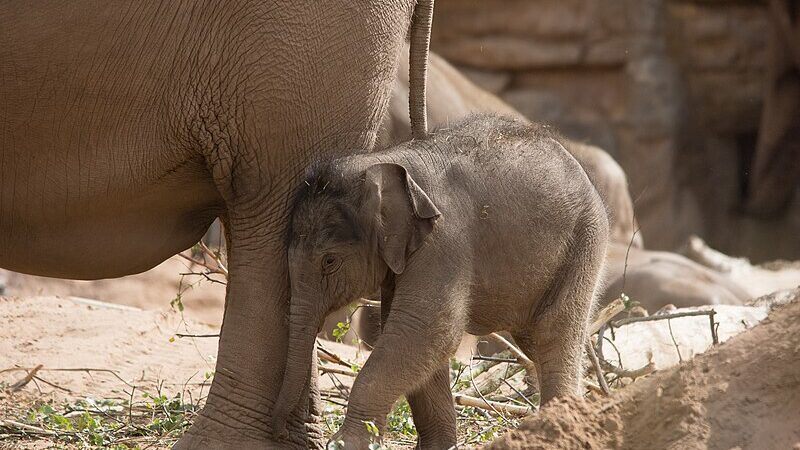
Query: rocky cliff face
[(672, 89)]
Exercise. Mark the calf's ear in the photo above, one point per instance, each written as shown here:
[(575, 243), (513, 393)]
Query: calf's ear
[(401, 211)]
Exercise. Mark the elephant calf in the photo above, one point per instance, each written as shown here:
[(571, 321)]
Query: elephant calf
[(490, 225)]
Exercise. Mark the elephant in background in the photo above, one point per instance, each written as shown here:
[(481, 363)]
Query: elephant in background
[(121, 121), (656, 279)]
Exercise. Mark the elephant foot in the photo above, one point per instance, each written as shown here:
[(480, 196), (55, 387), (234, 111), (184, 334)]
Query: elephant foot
[(352, 439), (229, 422)]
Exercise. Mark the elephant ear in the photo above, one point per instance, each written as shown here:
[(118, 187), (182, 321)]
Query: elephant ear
[(401, 211)]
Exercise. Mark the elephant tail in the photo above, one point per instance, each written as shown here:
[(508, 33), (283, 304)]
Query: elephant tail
[(420, 40)]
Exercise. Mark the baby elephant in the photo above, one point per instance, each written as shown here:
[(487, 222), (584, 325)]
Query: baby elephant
[(486, 226)]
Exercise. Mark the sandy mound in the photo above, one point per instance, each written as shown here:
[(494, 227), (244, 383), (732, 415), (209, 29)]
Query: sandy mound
[(742, 394)]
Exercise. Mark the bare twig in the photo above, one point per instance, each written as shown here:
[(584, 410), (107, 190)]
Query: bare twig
[(26, 379), (496, 407), (52, 384), (216, 257), (327, 355), (601, 378), (495, 359), (619, 371), (183, 335), (627, 320), (517, 391), (88, 370), (522, 357), (338, 371), (672, 336)]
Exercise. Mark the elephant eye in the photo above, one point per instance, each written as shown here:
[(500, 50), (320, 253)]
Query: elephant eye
[(330, 263)]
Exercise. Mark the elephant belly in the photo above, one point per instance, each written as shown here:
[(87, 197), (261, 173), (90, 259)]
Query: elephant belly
[(104, 236)]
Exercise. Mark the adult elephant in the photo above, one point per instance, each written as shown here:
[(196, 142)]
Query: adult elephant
[(121, 121)]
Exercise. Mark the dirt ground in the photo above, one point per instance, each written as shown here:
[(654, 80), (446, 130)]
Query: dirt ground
[(743, 394), (151, 290)]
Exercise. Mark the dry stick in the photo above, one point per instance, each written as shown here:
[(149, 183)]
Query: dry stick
[(76, 369), (598, 372), (493, 382), (496, 407), (368, 302), (27, 379), (522, 357), (338, 371), (12, 424), (672, 336), (496, 359), (517, 391), (52, 384), (627, 320), (477, 369), (472, 379), (183, 335), (606, 314), (216, 257), (618, 371), (710, 313)]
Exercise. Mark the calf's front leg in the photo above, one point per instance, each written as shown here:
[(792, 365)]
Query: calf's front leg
[(420, 335)]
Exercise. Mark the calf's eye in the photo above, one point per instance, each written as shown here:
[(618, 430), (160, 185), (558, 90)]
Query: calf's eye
[(330, 263)]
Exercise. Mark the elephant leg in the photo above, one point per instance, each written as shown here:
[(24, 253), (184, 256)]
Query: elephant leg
[(419, 337), (252, 347), (432, 403), (433, 412), (555, 342)]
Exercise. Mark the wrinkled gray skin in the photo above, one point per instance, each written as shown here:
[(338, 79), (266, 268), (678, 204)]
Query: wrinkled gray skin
[(121, 121), (490, 225)]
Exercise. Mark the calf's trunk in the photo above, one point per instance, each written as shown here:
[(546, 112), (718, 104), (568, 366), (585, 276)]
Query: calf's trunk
[(302, 334)]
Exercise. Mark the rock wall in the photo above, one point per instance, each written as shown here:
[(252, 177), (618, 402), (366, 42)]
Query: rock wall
[(672, 89)]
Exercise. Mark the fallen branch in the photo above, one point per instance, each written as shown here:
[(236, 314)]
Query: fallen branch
[(606, 314), (13, 425), (493, 382), (710, 313), (498, 408), (619, 371)]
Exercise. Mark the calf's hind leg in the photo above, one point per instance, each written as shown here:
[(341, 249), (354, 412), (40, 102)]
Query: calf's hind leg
[(555, 342)]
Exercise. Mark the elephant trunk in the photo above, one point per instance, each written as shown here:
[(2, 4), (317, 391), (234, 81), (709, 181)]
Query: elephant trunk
[(420, 41), (299, 358)]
